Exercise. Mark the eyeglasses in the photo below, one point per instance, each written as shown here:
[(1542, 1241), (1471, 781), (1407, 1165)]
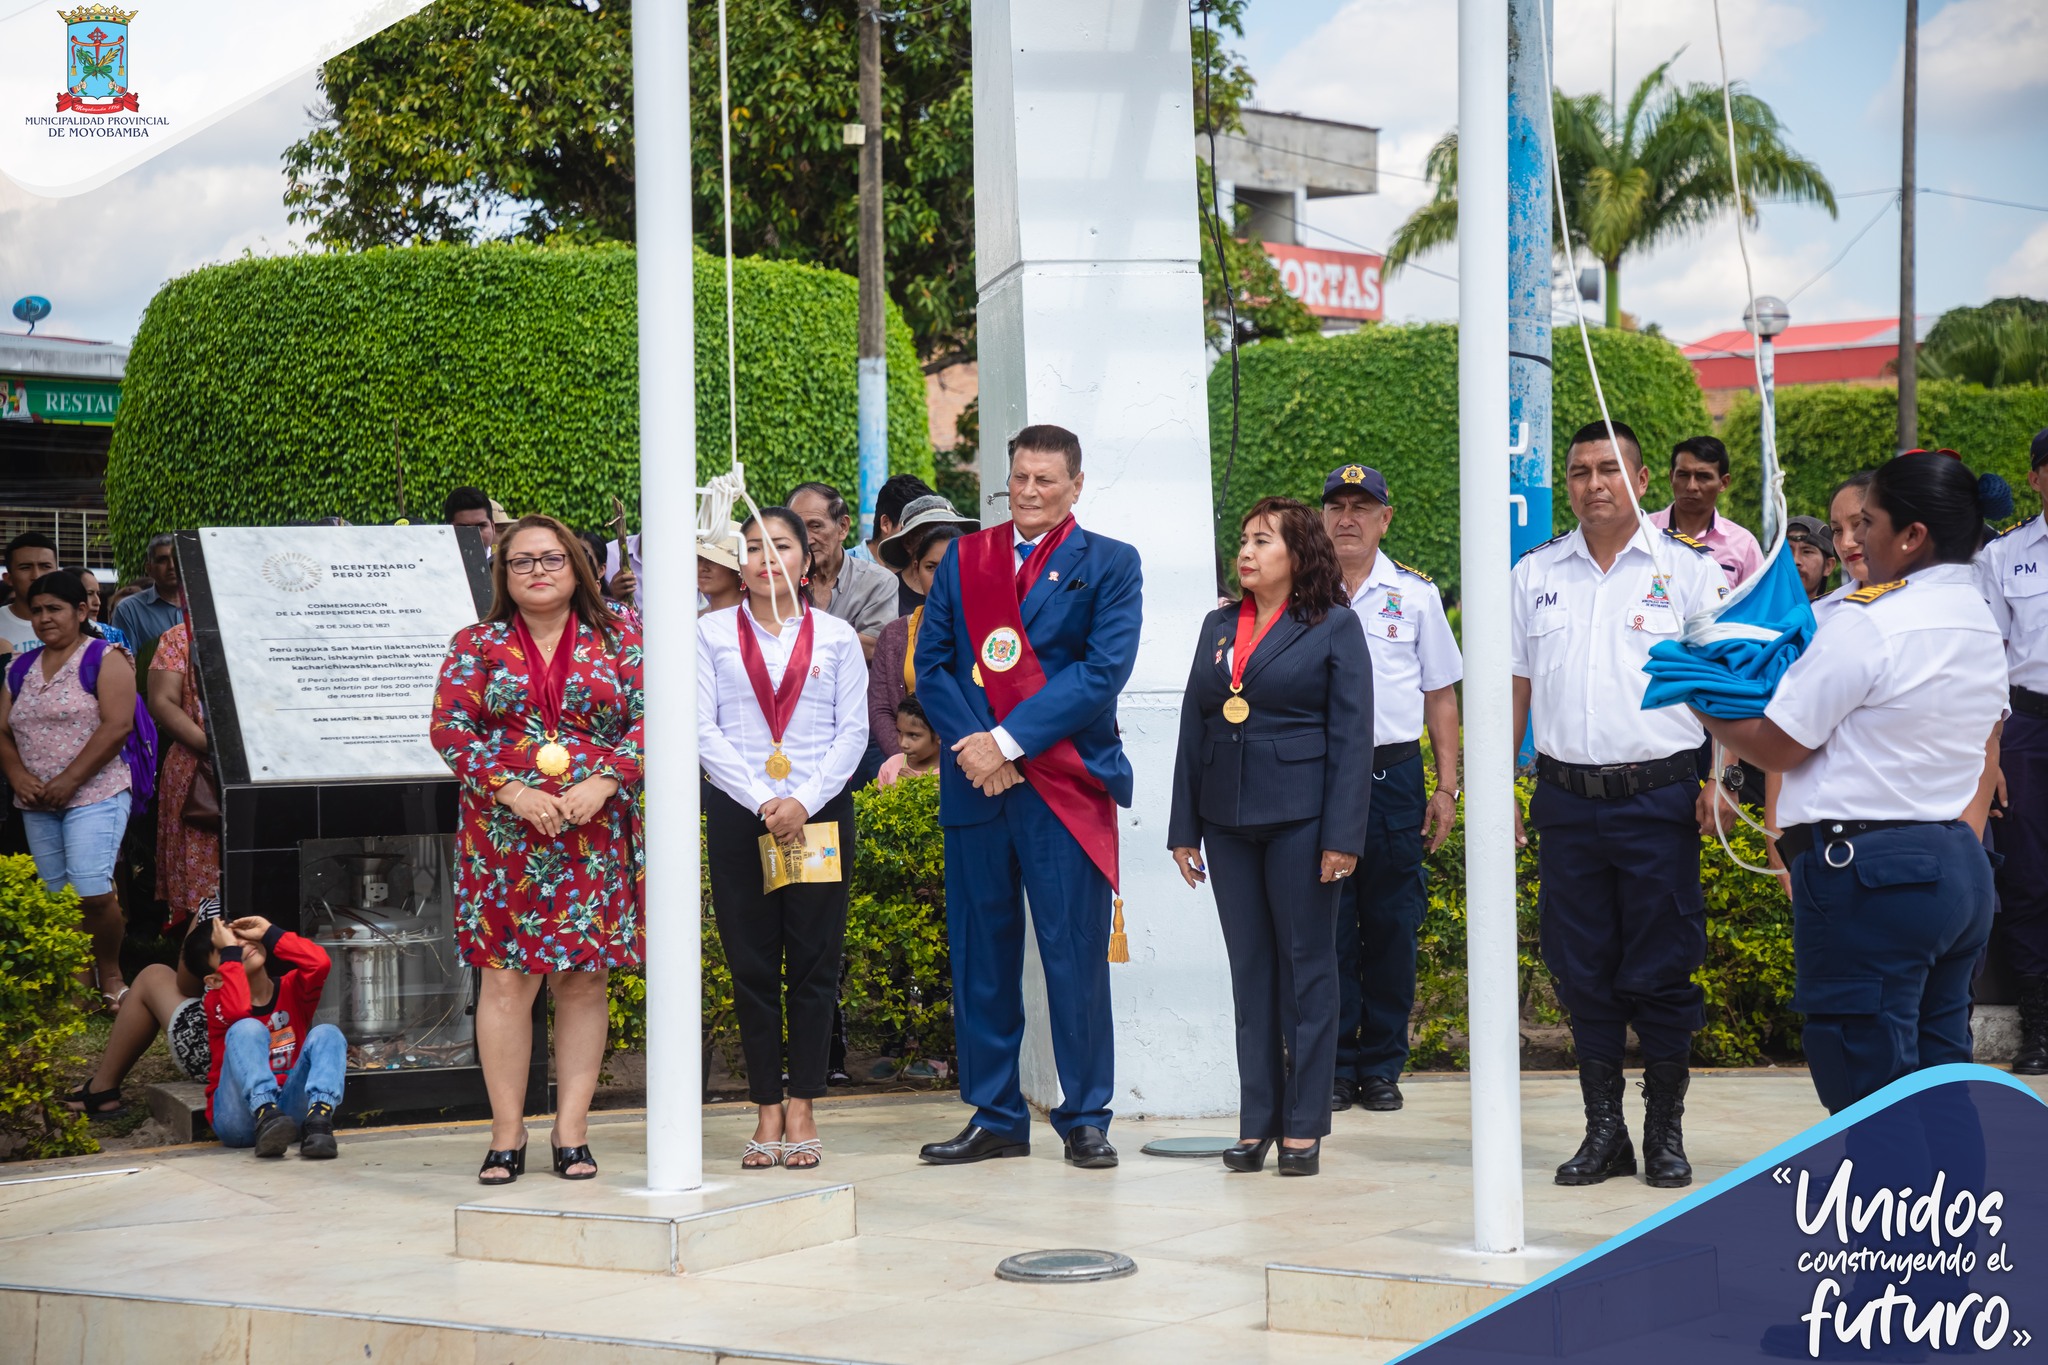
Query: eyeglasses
[(527, 564)]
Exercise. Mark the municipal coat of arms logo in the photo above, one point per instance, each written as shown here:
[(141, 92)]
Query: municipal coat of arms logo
[(96, 61), (1001, 650)]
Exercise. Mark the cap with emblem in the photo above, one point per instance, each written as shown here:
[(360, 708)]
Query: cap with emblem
[(2040, 449), (1814, 532), (1358, 477)]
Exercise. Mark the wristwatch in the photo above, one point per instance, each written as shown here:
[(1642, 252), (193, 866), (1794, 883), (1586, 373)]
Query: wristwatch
[(1455, 792), (1732, 777)]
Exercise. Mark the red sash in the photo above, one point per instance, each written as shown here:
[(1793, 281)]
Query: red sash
[(779, 705), (991, 592)]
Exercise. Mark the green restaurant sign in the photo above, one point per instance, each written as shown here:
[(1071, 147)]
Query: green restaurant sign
[(81, 402)]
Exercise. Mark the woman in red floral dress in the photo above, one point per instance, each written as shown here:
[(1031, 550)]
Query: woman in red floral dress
[(538, 714)]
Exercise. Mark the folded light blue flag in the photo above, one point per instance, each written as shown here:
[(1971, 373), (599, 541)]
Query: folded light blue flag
[(1730, 665)]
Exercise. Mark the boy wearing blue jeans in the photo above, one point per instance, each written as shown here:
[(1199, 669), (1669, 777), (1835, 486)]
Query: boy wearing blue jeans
[(276, 1074)]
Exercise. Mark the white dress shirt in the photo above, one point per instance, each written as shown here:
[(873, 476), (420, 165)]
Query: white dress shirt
[(1582, 635), (2013, 576), (1896, 697), (1012, 750), (827, 734), (1412, 648), (1824, 607)]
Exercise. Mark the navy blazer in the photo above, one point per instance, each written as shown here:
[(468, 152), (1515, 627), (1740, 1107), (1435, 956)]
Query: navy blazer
[(1306, 749), (1083, 626)]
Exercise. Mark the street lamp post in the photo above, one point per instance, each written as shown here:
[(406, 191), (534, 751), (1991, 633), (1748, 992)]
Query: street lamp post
[(1765, 318)]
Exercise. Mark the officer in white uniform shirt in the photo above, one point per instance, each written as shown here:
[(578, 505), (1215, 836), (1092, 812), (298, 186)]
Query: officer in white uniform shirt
[(1886, 730), (1618, 801), (1416, 668), (2013, 575)]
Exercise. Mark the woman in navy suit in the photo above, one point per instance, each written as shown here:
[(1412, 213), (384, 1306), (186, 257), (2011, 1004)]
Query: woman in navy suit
[(1272, 782)]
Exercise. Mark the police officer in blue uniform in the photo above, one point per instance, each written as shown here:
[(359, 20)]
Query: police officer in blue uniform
[(2013, 576), (1618, 802), (1415, 673), (1887, 732)]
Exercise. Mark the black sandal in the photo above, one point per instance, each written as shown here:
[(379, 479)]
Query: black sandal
[(88, 1101), (579, 1155), (511, 1159)]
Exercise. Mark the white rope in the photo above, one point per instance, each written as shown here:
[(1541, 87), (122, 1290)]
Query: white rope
[(1708, 626), (716, 499), (1644, 527)]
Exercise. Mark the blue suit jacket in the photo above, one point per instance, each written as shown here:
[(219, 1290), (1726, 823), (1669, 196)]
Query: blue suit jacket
[(1084, 630)]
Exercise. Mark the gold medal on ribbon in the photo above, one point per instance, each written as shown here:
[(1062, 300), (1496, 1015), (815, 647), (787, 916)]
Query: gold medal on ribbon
[(1237, 708), (777, 765), (553, 759)]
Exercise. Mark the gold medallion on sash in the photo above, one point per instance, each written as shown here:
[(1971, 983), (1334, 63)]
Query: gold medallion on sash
[(553, 759)]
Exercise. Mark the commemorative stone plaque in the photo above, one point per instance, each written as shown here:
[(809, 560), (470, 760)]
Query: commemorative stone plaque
[(332, 639)]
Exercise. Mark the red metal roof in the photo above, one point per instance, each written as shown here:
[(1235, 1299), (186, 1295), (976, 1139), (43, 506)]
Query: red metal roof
[(1813, 336)]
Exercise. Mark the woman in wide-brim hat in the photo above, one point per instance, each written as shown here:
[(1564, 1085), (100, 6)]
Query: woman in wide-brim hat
[(718, 571), (930, 524)]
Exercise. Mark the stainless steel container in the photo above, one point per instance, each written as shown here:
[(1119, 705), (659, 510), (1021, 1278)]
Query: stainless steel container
[(385, 965)]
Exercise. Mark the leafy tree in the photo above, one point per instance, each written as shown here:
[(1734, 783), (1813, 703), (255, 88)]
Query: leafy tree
[(1654, 172), (2001, 343), (512, 119)]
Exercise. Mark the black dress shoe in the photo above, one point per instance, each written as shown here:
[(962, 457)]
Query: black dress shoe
[(974, 1143), (1379, 1094), (1342, 1095), (1301, 1160), (1088, 1147)]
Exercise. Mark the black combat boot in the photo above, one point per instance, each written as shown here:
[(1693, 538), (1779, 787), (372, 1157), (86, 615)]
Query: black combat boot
[(1606, 1151), (1664, 1163), (2032, 1057)]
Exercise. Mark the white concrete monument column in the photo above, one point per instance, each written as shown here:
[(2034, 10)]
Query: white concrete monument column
[(1091, 318)]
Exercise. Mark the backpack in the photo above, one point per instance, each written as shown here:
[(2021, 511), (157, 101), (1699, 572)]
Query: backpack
[(140, 752)]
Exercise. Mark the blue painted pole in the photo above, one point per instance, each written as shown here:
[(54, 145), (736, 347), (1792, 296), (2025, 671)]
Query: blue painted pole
[(872, 392), (1529, 250), (1529, 200)]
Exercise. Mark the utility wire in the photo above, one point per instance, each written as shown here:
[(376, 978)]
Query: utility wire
[(1882, 210), (1370, 250)]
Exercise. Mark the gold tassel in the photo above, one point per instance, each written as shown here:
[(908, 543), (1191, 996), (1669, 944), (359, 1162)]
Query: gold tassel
[(1119, 946)]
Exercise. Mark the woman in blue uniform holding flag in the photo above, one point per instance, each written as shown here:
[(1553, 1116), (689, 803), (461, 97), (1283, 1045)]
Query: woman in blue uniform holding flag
[(1886, 731)]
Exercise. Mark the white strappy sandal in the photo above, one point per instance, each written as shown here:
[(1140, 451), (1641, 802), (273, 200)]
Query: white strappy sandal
[(814, 1148), (771, 1150)]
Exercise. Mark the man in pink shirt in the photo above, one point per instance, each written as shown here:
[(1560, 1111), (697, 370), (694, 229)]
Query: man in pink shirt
[(1699, 475)]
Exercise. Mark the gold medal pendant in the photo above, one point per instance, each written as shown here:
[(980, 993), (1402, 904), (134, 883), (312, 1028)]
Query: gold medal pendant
[(1237, 708), (976, 674), (777, 765), (552, 760)]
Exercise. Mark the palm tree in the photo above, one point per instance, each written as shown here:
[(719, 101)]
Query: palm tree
[(1655, 173), (1994, 348)]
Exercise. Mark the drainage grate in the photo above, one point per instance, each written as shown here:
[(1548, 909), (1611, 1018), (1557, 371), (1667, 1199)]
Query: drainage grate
[(1197, 1147)]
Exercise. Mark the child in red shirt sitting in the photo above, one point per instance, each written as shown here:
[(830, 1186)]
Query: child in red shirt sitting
[(275, 1072)]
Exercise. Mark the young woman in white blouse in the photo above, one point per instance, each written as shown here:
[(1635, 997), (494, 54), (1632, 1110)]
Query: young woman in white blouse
[(782, 723)]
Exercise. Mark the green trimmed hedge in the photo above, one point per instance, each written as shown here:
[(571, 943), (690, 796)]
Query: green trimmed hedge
[(264, 390), (1388, 397), (42, 951), (1826, 432)]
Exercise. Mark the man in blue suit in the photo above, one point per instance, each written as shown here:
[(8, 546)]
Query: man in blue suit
[(1030, 632)]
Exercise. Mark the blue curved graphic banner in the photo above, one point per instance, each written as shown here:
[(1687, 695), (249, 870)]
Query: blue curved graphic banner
[(1912, 1226)]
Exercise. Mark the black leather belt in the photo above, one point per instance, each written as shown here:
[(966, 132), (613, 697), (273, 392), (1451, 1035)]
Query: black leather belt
[(1798, 839), (2028, 702), (1385, 756), (1614, 781)]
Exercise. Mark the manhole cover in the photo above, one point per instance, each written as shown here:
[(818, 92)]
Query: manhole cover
[(1210, 1147), (1070, 1265)]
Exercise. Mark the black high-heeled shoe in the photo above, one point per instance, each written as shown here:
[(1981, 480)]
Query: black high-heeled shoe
[(1302, 1160), (579, 1155), (1248, 1158), (511, 1160)]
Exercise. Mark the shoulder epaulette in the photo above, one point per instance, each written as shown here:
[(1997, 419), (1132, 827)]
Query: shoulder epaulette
[(2017, 526), (1534, 548), (1870, 592), (1683, 539), (1417, 572)]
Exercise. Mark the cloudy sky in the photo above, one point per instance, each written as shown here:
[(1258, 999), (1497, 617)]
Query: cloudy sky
[(1829, 67)]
